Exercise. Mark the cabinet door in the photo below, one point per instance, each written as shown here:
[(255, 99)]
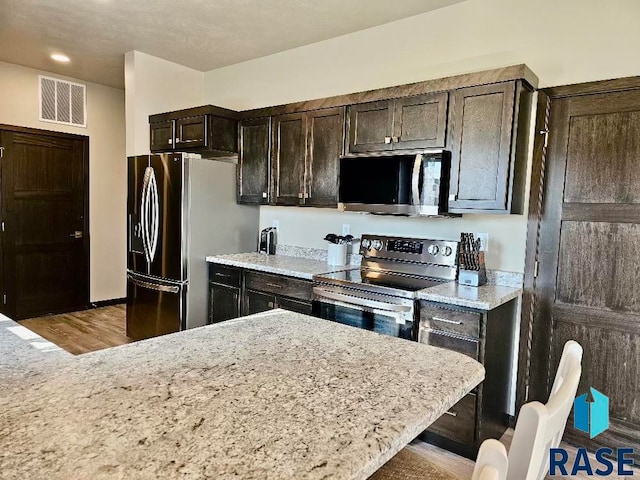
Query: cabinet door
[(325, 144), (256, 302), (420, 122), (224, 303), (191, 132), (254, 139), (481, 119), (161, 136), (289, 153), (370, 127)]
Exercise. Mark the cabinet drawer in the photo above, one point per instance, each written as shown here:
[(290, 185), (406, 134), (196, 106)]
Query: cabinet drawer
[(466, 346), (224, 275), (449, 320), (459, 422), (278, 284), (294, 305)]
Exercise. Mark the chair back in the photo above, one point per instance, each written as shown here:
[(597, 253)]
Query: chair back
[(540, 427)]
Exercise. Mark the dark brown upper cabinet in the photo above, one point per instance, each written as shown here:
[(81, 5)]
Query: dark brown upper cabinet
[(208, 130), (162, 135), (488, 142), (306, 152), (191, 132), (325, 145), (398, 124), (254, 141), (288, 158)]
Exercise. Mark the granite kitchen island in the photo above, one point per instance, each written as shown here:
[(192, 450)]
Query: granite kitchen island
[(273, 396)]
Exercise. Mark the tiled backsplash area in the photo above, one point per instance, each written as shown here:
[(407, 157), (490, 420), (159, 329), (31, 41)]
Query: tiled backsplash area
[(494, 277)]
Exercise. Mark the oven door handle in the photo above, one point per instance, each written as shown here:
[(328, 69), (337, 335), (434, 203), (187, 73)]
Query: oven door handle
[(362, 302)]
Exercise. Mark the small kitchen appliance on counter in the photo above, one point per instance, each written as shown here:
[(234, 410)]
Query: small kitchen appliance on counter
[(381, 295), (472, 271), (268, 241)]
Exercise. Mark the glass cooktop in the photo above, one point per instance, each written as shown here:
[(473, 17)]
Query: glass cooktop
[(374, 280)]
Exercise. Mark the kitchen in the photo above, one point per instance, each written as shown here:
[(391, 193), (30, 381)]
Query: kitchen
[(231, 87)]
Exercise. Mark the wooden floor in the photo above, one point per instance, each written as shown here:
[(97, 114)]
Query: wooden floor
[(85, 331), (90, 330)]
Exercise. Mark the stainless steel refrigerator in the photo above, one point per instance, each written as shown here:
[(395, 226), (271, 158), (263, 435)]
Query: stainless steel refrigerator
[(181, 208)]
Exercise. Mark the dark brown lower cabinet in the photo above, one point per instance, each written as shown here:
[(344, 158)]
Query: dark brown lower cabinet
[(224, 303), (487, 336), (234, 292)]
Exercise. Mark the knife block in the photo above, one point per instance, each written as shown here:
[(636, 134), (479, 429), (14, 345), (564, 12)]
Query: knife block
[(473, 278)]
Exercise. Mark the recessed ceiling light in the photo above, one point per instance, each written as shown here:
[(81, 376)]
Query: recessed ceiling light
[(58, 57)]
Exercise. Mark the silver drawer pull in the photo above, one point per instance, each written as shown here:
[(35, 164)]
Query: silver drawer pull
[(444, 320), (451, 413), (270, 304), (274, 285), (222, 275)]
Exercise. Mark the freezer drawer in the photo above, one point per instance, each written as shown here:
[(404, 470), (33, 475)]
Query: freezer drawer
[(154, 307)]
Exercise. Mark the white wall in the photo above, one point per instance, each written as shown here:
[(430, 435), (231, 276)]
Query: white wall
[(107, 167), (153, 85), (562, 42)]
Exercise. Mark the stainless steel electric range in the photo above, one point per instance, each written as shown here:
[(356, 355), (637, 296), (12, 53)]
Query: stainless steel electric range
[(381, 295)]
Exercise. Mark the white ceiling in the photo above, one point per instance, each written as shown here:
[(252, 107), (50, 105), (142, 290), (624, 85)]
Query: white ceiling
[(202, 34)]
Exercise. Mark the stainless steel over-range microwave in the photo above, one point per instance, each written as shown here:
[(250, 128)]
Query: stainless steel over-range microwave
[(396, 184)]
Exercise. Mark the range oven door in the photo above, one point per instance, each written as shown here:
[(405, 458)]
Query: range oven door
[(369, 311)]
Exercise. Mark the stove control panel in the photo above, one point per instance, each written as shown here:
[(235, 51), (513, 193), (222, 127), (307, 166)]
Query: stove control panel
[(439, 252), (406, 246)]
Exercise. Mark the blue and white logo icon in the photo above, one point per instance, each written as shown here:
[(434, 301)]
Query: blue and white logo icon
[(591, 413)]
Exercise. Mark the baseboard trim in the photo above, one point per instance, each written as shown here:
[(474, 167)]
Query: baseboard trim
[(108, 303)]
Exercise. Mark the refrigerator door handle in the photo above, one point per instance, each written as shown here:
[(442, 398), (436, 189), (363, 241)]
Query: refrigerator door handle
[(153, 286), (155, 215), (145, 213)]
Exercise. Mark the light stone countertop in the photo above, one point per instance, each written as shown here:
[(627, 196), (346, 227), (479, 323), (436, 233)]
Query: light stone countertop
[(277, 395), (485, 297), (280, 264)]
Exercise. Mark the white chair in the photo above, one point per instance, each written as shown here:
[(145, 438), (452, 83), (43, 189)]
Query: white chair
[(539, 428)]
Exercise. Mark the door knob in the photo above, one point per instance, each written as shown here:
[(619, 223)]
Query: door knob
[(76, 234)]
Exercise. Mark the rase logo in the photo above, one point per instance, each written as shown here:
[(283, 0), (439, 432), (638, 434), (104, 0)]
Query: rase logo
[(591, 415)]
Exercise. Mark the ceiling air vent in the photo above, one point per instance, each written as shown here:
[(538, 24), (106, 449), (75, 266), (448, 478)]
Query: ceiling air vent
[(63, 102)]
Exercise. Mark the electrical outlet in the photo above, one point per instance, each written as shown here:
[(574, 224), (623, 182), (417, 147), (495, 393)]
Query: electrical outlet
[(484, 241), (346, 229), (276, 224)]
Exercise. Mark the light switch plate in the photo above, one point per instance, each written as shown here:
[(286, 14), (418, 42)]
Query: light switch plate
[(484, 241)]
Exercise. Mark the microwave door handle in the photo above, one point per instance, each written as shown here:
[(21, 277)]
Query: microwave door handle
[(361, 302), (415, 181)]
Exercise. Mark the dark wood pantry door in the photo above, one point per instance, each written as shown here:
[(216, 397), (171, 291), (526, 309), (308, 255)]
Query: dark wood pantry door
[(45, 243), (587, 245)]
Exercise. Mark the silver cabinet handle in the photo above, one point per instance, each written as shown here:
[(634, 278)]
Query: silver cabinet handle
[(300, 195), (169, 141), (76, 234), (264, 194), (274, 285), (444, 320), (387, 140), (395, 139), (191, 141), (451, 413), (221, 275), (270, 304)]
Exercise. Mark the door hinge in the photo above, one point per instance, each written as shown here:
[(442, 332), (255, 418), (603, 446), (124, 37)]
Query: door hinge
[(546, 137), (535, 269), (4, 299), (2, 226), (1, 152)]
